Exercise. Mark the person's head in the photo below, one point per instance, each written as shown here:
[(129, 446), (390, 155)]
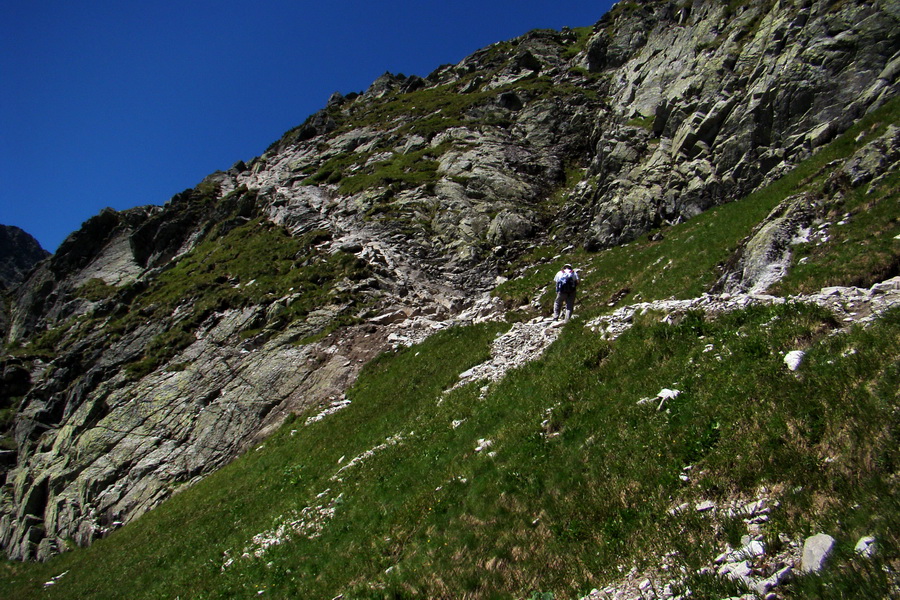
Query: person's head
[(567, 266)]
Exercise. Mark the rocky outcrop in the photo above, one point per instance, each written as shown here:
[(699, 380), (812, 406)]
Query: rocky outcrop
[(160, 342), (99, 250), (764, 257), (19, 254), (669, 109), (120, 447), (708, 101), (99, 444)]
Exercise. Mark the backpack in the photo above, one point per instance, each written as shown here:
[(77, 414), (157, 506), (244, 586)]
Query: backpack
[(567, 282)]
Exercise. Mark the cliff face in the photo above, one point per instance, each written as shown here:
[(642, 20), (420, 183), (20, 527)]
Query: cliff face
[(160, 342), (730, 98)]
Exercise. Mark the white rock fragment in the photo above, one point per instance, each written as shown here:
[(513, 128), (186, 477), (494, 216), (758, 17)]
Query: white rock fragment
[(865, 546), (766, 585), (753, 549), (333, 408), (53, 580), (676, 510), (738, 570), (816, 551), (467, 373), (483, 444), (793, 359), (666, 394)]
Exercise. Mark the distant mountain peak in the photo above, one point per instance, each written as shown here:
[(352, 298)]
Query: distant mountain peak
[(19, 254)]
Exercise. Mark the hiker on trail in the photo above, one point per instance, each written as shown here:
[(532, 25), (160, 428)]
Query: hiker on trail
[(566, 282)]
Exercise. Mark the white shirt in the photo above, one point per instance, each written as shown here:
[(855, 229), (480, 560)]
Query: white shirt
[(563, 272)]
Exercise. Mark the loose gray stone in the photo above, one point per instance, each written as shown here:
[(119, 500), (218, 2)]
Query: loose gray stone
[(816, 551), (793, 359), (865, 546)]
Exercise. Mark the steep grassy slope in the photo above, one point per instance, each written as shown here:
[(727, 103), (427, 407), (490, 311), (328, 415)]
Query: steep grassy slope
[(555, 480)]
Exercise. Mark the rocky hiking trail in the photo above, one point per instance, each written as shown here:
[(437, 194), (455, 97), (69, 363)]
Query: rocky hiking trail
[(851, 305), (527, 341)]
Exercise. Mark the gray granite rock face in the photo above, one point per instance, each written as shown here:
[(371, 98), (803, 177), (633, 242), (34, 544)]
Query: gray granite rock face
[(729, 99)]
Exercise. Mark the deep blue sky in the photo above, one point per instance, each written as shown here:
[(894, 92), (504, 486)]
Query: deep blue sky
[(120, 104)]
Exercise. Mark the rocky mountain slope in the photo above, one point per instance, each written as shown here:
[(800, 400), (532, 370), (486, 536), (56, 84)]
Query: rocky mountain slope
[(159, 343)]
